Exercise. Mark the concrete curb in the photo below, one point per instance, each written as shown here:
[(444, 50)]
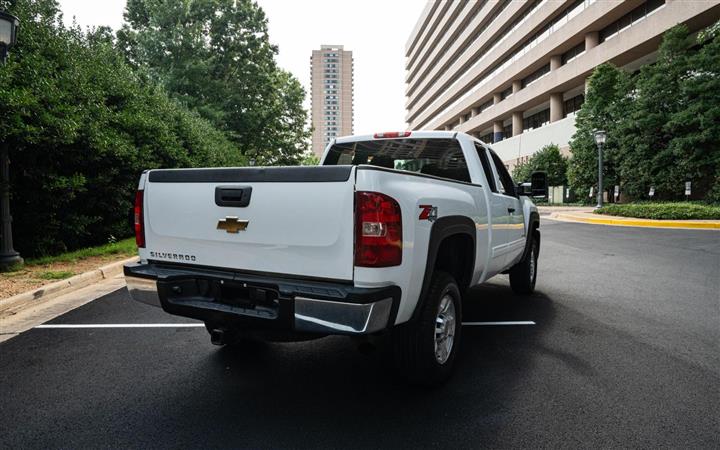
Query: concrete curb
[(64, 286), (633, 222)]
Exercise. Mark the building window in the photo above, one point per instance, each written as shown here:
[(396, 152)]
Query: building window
[(507, 131), (487, 138), (506, 93), (533, 77), (573, 105), (536, 120), (630, 19), (573, 53), (485, 106)]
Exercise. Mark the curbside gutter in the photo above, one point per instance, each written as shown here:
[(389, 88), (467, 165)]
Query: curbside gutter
[(63, 286), (634, 222)]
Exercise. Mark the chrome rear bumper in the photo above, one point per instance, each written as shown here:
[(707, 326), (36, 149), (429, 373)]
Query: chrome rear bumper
[(360, 311)]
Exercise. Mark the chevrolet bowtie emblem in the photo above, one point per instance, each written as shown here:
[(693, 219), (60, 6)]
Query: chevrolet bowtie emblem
[(232, 224)]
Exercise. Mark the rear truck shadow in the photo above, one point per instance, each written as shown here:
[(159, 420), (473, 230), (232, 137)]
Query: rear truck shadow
[(304, 389)]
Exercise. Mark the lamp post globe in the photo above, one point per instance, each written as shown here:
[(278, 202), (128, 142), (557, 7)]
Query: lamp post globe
[(8, 33), (600, 137), (8, 256)]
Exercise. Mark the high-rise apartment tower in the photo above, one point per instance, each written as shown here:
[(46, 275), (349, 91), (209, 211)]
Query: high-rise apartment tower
[(331, 70)]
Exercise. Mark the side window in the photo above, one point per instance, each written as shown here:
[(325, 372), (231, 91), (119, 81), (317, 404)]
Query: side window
[(489, 175), (505, 178)]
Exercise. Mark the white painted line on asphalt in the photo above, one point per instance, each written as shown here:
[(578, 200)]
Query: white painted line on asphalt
[(200, 325), (125, 325), (520, 322)]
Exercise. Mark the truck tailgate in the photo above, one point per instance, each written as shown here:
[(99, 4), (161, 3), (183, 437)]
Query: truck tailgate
[(297, 220)]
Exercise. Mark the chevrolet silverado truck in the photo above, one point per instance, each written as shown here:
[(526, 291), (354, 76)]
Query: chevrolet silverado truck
[(383, 238)]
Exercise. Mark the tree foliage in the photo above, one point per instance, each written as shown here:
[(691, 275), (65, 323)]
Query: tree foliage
[(215, 56), (604, 109), (81, 126), (663, 124), (548, 159)]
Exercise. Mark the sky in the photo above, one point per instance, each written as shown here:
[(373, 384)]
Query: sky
[(375, 30)]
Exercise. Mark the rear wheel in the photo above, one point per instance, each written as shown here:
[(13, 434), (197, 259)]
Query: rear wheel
[(524, 274), (425, 350)]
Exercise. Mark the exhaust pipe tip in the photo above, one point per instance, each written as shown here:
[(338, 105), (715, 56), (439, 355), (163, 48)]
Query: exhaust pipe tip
[(217, 337)]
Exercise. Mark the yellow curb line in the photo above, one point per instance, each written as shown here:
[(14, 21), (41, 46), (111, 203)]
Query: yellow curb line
[(61, 287), (706, 225)]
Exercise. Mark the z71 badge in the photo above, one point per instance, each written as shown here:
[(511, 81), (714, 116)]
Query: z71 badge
[(429, 212)]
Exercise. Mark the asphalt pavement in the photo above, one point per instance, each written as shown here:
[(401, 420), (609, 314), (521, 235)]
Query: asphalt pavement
[(625, 352)]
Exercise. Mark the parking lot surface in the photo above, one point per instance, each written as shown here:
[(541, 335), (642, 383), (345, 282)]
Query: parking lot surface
[(624, 352)]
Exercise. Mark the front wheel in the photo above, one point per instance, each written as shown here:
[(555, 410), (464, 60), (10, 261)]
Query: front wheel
[(425, 350), (524, 274)]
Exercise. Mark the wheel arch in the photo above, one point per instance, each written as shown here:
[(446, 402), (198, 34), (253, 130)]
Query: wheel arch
[(532, 230), (449, 235)]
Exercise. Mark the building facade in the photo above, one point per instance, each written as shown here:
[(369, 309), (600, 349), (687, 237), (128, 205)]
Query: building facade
[(331, 75), (513, 73)]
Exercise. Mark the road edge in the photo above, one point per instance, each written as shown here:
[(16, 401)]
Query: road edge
[(62, 287), (634, 222)]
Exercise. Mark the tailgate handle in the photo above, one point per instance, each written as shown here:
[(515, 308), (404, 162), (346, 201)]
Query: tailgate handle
[(237, 196)]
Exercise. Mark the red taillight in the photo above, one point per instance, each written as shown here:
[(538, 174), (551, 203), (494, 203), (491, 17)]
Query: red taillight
[(392, 134), (139, 225), (378, 230)]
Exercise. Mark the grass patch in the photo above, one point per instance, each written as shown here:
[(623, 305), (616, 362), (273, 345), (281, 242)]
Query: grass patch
[(124, 247), (57, 275), (663, 210)]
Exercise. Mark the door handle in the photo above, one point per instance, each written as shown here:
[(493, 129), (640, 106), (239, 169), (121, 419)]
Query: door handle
[(511, 210), (234, 196)]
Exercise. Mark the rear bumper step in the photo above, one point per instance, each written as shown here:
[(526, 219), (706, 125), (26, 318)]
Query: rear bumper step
[(263, 302)]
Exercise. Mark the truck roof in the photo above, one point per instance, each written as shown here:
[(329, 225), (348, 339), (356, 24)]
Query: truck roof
[(420, 134)]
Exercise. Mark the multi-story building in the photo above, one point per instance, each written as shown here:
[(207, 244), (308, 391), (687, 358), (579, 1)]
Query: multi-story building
[(513, 73), (331, 70)]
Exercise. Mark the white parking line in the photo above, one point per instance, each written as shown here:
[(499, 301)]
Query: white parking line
[(125, 325), (200, 325), (520, 322)]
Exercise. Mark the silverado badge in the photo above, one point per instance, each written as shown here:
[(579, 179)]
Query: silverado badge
[(232, 224)]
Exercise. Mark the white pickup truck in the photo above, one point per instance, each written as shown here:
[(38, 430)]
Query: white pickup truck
[(383, 238)]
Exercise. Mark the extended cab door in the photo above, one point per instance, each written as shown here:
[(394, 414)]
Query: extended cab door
[(497, 216), (515, 231)]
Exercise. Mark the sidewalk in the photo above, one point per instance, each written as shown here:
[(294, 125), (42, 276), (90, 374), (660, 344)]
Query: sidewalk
[(585, 215)]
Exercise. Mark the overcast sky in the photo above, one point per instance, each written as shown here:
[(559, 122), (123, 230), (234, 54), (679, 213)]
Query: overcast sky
[(375, 31)]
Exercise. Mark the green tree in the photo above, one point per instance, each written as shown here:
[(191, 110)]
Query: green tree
[(81, 126), (607, 101), (548, 159), (695, 127), (646, 134), (215, 56), (310, 159)]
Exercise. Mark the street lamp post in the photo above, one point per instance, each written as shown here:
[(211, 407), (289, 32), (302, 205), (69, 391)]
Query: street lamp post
[(600, 137), (8, 256)]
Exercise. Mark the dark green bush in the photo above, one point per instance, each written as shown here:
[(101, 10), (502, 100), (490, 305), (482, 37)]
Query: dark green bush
[(81, 126), (663, 211)]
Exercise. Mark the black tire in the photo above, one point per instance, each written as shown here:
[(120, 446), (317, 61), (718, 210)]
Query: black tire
[(414, 344), (524, 274)]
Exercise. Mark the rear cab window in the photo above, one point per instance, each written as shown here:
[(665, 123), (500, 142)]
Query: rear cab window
[(441, 158)]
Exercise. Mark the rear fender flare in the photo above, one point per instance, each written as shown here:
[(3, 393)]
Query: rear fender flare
[(443, 228)]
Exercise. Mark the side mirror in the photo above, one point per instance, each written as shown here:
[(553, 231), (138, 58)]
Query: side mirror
[(539, 185), (523, 189)]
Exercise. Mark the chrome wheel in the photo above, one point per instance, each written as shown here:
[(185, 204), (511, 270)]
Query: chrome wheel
[(444, 329)]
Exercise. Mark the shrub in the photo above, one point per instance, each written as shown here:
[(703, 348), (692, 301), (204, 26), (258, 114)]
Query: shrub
[(663, 211), (81, 125)]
